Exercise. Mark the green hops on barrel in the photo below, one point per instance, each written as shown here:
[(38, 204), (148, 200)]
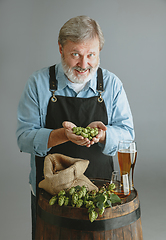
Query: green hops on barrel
[(93, 215), (101, 211), (84, 191), (53, 200), (61, 200), (95, 201), (87, 132), (72, 190), (79, 203), (66, 201), (61, 193), (75, 198)]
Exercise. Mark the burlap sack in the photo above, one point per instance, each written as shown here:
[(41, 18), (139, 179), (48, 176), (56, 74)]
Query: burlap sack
[(62, 172)]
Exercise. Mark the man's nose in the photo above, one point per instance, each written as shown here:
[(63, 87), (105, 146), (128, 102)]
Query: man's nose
[(83, 62)]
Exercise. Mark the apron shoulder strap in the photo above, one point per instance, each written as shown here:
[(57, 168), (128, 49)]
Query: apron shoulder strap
[(52, 80), (100, 80)]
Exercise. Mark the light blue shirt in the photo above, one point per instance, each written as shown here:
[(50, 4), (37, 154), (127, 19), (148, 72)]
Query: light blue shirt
[(32, 136)]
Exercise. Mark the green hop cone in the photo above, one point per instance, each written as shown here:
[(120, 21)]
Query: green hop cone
[(93, 192), (61, 200), (61, 193), (79, 203), (53, 200), (93, 216), (79, 132), (88, 204), (74, 129), (66, 201), (102, 190), (111, 187), (75, 198), (80, 194), (87, 132), (72, 190), (92, 133), (84, 191), (101, 211), (85, 135)]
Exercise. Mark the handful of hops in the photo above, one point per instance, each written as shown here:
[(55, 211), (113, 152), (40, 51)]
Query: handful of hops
[(87, 132), (94, 201)]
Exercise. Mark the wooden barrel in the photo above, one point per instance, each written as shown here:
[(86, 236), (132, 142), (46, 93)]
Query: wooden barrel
[(63, 223)]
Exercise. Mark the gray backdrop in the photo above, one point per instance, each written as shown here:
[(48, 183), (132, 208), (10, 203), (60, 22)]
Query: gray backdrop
[(135, 50)]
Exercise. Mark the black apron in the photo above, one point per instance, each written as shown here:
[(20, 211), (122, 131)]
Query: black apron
[(81, 112)]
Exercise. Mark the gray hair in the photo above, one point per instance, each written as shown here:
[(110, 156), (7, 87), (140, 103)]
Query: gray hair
[(80, 28)]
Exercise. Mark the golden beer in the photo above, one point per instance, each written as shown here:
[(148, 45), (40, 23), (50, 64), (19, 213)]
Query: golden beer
[(127, 159)]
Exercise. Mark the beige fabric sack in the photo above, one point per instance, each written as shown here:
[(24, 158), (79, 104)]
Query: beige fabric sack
[(62, 172)]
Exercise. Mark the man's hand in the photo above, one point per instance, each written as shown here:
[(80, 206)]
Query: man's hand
[(79, 140), (100, 137)]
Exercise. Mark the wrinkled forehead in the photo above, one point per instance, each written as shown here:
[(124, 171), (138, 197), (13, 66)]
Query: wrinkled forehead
[(88, 44)]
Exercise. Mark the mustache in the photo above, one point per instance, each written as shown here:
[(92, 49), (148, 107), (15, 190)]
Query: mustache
[(80, 69)]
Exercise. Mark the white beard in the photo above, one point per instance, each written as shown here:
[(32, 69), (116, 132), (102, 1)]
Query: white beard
[(69, 72)]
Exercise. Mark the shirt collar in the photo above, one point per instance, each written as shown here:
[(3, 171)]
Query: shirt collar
[(63, 81)]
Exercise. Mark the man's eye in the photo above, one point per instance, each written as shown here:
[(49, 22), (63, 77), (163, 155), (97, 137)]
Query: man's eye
[(91, 54), (75, 54)]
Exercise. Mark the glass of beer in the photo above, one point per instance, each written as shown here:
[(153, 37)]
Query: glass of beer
[(122, 184), (127, 154)]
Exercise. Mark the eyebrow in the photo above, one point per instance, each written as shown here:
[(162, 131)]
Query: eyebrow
[(75, 50)]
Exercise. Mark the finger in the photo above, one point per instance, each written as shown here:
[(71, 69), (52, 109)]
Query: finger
[(88, 145), (95, 140), (102, 126), (68, 125), (84, 142), (65, 124)]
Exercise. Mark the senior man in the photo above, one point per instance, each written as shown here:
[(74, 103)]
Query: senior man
[(75, 92)]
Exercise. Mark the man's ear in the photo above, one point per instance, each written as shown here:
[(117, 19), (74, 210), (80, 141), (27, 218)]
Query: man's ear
[(60, 48)]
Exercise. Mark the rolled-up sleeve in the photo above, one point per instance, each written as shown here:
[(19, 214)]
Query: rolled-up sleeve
[(32, 137)]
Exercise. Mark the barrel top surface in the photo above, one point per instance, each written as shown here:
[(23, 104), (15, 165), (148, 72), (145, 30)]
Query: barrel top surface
[(128, 205)]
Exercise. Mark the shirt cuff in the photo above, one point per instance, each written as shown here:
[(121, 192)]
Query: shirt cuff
[(111, 143)]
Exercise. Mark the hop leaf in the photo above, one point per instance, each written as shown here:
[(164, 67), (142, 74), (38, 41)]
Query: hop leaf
[(114, 198)]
